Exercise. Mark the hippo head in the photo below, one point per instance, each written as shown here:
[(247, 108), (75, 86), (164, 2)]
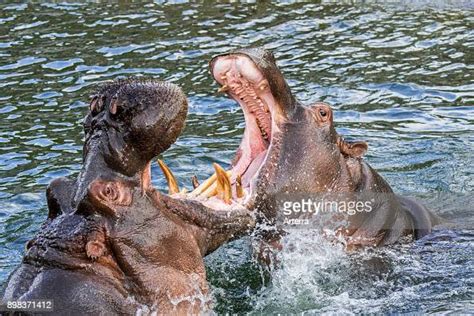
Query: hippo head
[(129, 122), (150, 234), (286, 147), (132, 121)]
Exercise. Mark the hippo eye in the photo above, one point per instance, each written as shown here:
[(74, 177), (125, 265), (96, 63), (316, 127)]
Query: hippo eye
[(321, 113)]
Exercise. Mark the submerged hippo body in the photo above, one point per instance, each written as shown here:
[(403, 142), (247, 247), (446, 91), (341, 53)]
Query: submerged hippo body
[(292, 149), (124, 250), (112, 244)]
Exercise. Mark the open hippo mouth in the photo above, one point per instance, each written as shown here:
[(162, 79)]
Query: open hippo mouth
[(252, 78), (245, 83)]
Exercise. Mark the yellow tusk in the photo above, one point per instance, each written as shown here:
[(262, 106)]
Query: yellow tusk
[(204, 186), (211, 191), (195, 182), (224, 88), (208, 187), (224, 190), (173, 187), (239, 189)]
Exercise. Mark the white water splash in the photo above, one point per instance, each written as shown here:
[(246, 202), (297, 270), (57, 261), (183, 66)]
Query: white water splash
[(295, 280)]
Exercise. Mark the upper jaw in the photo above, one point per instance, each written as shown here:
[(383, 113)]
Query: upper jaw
[(264, 62)]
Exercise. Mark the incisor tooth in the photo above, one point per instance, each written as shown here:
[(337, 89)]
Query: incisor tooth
[(210, 191), (173, 187), (239, 190), (224, 190), (207, 188), (224, 88), (195, 182), (206, 184)]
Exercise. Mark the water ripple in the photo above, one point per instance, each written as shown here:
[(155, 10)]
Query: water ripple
[(399, 76)]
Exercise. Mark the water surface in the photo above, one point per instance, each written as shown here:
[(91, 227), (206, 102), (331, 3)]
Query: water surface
[(398, 76)]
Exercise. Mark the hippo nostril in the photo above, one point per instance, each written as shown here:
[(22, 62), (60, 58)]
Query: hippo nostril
[(101, 103)]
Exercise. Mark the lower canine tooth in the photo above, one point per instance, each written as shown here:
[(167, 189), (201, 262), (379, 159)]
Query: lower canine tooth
[(173, 187), (224, 190)]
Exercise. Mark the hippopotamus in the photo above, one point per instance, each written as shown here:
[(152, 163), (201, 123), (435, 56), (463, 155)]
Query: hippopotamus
[(113, 244), (291, 149)]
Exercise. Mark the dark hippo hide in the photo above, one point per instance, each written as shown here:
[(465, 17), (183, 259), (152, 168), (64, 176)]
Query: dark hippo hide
[(129, 122), (112, 244)]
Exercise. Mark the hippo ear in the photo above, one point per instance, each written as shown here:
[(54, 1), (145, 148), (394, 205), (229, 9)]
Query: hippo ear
[(352, 149)]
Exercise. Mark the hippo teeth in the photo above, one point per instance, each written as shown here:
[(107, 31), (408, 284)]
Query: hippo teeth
[(195, 182), (246, 93), (173, 187), (239, 189), (224, 189), (224, 88), (219, 185)]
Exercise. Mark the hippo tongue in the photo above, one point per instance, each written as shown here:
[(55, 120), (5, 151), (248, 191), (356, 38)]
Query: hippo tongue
[(253, 168)]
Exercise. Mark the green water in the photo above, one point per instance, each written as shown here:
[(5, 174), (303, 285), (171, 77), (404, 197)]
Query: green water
[(399, 76)]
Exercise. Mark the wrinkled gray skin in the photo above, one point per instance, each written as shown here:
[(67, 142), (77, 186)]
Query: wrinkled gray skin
[(112, 243), (129, 122), (306, 156)]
